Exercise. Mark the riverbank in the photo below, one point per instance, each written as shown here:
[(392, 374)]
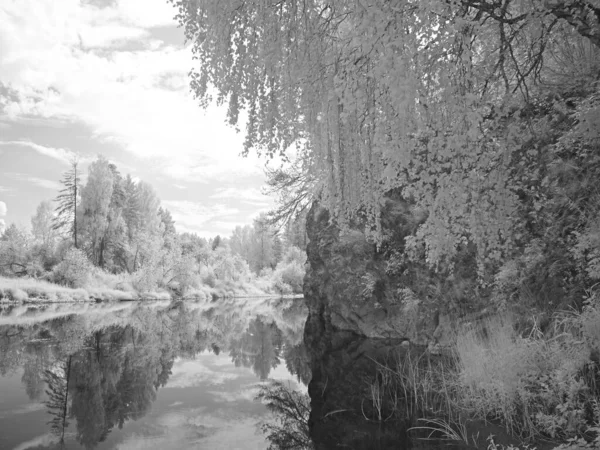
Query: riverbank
[(540, 387), (30, 290)]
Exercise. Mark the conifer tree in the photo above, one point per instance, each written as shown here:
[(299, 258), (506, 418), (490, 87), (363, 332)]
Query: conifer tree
[(67, 201)]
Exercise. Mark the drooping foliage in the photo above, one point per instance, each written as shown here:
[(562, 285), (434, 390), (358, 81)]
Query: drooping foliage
[(438, 100)]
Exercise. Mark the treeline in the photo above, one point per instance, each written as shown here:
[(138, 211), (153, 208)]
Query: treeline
[(112, 231)]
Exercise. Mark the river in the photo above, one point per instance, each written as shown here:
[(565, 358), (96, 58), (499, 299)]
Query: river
[(228, 374), (154, 375)]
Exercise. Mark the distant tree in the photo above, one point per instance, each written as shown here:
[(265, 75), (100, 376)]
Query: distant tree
[(96, 198), (15, 251), (42, 223), (131, 207), (216, 242), (67, 200), (167, 222), (263, 254)]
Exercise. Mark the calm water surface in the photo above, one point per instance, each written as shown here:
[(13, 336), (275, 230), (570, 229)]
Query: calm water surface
[(145, 375)]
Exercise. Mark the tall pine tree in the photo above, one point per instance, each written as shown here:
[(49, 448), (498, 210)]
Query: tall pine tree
[(67, 201)]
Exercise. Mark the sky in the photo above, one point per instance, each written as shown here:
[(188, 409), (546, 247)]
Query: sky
[(110, 77)]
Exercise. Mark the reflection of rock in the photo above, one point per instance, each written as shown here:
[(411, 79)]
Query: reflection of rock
[(359, 314), (342, 414)]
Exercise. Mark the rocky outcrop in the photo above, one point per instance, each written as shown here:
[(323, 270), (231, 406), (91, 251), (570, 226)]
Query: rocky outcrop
[(347, 286)]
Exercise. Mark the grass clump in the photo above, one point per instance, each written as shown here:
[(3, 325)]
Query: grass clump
[(538, 385), (532, 384), (32, 290)]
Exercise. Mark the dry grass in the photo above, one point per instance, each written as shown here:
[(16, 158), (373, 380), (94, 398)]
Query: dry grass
[(532, 384), (32, 290), (28, 289), (535, 385)]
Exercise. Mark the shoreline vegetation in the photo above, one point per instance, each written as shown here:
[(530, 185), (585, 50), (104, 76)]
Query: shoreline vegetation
[(110, 239), (29, 290), (500, 385)]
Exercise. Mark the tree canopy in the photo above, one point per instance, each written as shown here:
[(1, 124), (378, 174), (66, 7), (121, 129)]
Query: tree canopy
[(419, 97)]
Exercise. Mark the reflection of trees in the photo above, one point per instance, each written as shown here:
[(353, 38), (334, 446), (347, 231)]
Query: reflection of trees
[(115, 380), (10, 350), (57, 381), (36, 361), (291, 409), (258, 347), (297, 362), (99, 374), (87, 405)]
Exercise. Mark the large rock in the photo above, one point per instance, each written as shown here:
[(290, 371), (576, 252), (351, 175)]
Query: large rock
[(347, 287)]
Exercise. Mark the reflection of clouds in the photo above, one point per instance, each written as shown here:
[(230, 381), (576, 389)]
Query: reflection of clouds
[(25, 409), (247, 394), (172, 405), (198, 429), (195, 373), (241, 436), (280, 373), (44, 440)]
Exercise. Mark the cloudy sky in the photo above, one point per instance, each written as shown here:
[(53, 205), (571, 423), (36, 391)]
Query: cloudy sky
[(110, 77)]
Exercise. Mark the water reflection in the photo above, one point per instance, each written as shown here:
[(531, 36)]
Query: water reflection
[(291, 409), (357, 394), (98, 369)]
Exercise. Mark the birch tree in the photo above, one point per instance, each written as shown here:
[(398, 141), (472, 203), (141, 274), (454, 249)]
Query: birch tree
[(95, 201)]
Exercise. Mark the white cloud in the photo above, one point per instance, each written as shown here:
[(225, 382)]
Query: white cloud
[(244, 395), (249, 195), (41, 182), (139, 99), (60, 154), (110, 35), (194, 216), (146, 13)]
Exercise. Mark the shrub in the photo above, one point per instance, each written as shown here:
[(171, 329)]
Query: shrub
[(146, 278), (74, 270), (280, 286), (532, 384), (17, 294), (292, 274)]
